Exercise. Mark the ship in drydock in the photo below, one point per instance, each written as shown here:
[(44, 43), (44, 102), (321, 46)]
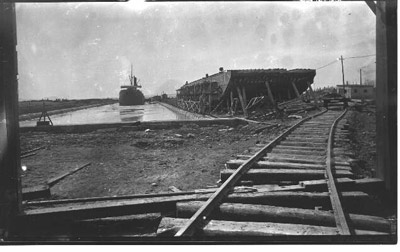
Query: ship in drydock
[(130, 94)]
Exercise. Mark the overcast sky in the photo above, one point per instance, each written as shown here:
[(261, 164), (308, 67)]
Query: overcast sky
[(85, 50)]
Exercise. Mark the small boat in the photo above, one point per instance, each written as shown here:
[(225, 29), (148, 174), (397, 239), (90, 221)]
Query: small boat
[(130, 94)]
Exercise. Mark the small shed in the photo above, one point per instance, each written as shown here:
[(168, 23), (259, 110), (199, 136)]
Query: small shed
[(356, 91)]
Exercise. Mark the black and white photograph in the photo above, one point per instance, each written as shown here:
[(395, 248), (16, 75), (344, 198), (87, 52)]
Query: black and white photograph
[(198, 122)]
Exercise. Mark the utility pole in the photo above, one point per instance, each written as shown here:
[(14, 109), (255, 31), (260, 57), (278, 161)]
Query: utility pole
[(341, 59), (360, 77)]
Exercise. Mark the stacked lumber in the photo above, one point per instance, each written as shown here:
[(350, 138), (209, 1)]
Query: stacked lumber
[(296, 106)]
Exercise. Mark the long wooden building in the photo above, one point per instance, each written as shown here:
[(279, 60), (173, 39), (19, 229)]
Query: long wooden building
[(224, 88)]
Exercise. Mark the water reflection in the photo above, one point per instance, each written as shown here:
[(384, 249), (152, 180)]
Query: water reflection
[(131, 113), (113, 113)]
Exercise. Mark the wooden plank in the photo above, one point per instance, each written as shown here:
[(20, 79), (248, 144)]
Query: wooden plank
[(310, 132), (340, 218), (108, 208), (28, 155), (305, 148), (265, 213), (46, 203), (352, 200), (201, 216), (36, 192), (112, 227), (273, 175), (174, 189), (319, 123), (311, 140), (302, 143), (32, 150), (307, 136), (55, 180), (296, 152), (235, 163), (374, 185), (101, 209), (297, 156), (343, 184), (170, 226), (284, 158)]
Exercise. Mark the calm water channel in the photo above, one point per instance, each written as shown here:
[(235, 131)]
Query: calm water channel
[(112, 114)]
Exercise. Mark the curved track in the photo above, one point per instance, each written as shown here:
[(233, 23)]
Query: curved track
[(294, 189)]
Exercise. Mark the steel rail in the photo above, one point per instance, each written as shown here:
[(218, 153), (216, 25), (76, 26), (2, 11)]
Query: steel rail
[(201, 217), (340, 218)]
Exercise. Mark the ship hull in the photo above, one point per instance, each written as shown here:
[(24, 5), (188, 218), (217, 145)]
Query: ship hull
[(129, 97)]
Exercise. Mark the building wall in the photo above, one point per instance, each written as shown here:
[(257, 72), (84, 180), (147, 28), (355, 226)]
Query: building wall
[(357, 92)]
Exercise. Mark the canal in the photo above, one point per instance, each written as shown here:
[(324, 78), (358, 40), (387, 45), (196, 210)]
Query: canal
[(112, 114)]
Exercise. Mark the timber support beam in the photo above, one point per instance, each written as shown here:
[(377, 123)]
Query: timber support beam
[(270, 95), (296, 91), (242, 102)]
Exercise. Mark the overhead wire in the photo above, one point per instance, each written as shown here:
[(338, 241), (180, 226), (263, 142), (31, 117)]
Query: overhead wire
[(357, 57), (354, 57), (326, 65)]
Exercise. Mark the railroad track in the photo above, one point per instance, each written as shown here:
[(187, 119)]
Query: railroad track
[(300, 183)]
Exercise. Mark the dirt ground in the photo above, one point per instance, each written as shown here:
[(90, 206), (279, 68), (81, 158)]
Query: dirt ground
[(363, 139), (132, 162)]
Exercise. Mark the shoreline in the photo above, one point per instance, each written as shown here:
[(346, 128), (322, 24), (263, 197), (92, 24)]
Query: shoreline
[(30, 116)]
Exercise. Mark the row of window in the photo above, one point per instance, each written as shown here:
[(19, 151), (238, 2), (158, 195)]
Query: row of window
[(343, 91)]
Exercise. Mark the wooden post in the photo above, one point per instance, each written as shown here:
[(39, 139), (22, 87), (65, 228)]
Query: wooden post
[(210, 95), (10, 183), (296, 91), (244, 95), (386, 90), (241, 101), (231, 109), (313, 94), (271, 97)]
